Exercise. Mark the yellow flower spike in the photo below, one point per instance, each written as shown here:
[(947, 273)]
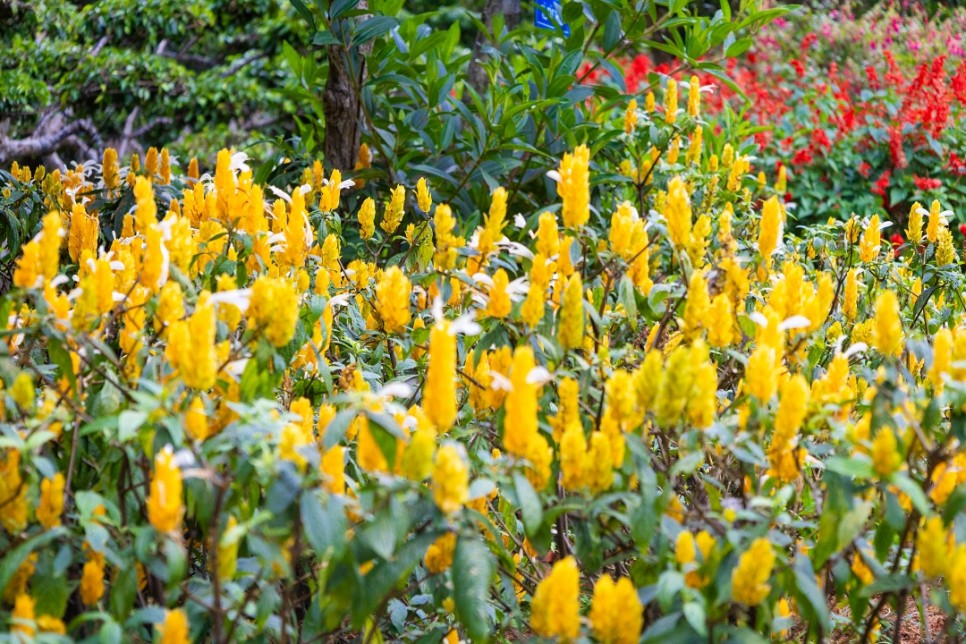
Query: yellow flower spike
[(696, 306), (942, 355), (447, 242), (870, 243), (498, 299), (165, 507), (274, 309), (678, 214), (110, 171), (22, 617), (573, 186), (784, 455), (914, 225), (721, 322), (395, 209), (424, 198), (165, 170), (520, 420), (367, 218), (92, 578), (936, 222), (957, 579), (228, 551), (761, 374), (935, 545), (887, 336), (331, 192), (945, 248), (51, 504), (694, 97), (573, 457), (417, 461), (650, 103), (630, 117), (393, 292), (749, 579), (170, 306), (174, 629), (671, 101), (685, 548), (450, 480), (548, 237), (555, 608), (616, 614), (886, 458), (439, 555), (439, 391), (540, 455), (769, 231), (570, 322), (22, 391)]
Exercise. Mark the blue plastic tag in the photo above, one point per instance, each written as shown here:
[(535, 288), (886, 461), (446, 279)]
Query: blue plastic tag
[(547, 15)]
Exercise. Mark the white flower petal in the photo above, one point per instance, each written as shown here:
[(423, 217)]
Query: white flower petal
[(499, 382), (539, 376), (395, 390), (465, 324), (759, 319), (858, 347), (795, 322), (237, 297), (280, 194)]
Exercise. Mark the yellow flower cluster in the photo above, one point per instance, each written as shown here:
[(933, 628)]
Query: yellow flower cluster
[(682, 367)]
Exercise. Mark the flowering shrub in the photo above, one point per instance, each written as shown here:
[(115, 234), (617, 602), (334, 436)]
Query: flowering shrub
[(866, 111), (645, 410)]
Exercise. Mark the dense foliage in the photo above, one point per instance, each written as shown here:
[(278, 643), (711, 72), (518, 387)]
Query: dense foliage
[(199, 74), (621, 394), (867, 112)]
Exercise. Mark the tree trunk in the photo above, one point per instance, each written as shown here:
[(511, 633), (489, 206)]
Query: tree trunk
[(341, 101), (476, 75)]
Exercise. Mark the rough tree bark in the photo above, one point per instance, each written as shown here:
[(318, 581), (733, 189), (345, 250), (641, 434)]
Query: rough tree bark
[(342, 104), (475, 74)]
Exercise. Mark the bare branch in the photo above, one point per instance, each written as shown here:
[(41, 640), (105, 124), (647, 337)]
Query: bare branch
[(242, 62), (150, 125), (39, 146)]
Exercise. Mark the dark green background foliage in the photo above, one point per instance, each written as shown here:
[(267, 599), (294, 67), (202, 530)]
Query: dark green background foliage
[(201, 73)]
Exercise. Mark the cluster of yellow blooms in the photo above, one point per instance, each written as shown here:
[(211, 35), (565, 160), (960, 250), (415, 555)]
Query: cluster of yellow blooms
[(685, 351)]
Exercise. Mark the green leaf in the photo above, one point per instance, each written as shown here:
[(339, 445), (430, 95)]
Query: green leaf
[(124, 590), (852, 524), (694, 614), (810, 595), (60, 357), (473, 568), (18, 555), (304, 12), (338, 427), (859, 467), (612, 31), (324, 39), (373, 28), (688, 464), (628, 299), (669, 584), (128, 423), (324, 522), (379, 427), (530, 506), (913, 491)]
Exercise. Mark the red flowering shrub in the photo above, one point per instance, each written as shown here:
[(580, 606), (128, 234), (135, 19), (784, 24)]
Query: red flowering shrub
[(868, 112)]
